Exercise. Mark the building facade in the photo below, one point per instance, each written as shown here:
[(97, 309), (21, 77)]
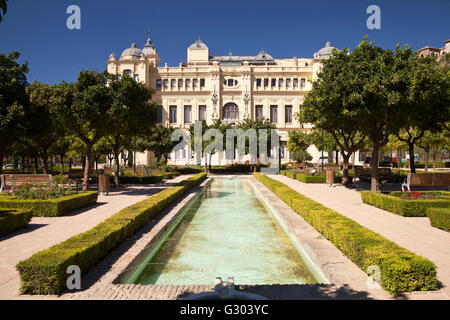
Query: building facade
[(230, 88)]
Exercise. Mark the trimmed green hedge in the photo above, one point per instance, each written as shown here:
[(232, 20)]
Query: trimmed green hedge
[(407, 208), (52, 207), (320, 178), (401, 270), (13, 219), (439, 218), (146, 179), (45, 272)]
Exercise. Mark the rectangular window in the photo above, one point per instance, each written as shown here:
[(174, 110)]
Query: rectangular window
[(188, 83), (288, 82), (180, 83), (273, 82), (173, 83), (288, 114), (266, 82), (202, 83), (158, 83), (173, 114), (195, 83), (258, 82), (202, 112), (283, 149), (280, 82), (159, 114), (258, 112), (136, 77), (166, 83), (187, 114), (302, 82), (295, 83), (274, 114)]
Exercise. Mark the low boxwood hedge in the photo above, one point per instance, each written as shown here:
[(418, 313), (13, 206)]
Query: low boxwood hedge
[(52, 207), (319, 178), (408, 208), (45, 271), (401, 270), (439, 218), (141, 180), (13, 219)]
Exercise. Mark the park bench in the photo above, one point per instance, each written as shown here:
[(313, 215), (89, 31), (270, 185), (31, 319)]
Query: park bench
[(15, 179), (384, 174), (433, 179)]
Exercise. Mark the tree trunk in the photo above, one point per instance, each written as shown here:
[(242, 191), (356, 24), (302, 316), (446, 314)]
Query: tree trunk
[(36, 159), (374, 168), (87, 166), (117, 161), (62, 164), (337, 157), (412, 164), (426, 159), (206, 162), (345, 158), (70, 166)]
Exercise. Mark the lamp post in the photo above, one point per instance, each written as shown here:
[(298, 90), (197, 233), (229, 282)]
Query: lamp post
[(134, 156), (322, 149)]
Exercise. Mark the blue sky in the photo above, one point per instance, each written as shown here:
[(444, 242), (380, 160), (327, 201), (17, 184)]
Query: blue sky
[(283, 28)]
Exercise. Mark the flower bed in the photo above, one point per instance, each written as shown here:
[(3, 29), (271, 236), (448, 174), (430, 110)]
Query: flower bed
[(439, 218), (13, 219), (401, 270), (51, 207), (45, 272), (395, 203), (33, 191)]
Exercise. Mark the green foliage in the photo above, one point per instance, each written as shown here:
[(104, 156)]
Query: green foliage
[(158, 140), (401, 270), (45, 271), (439, 218), (407, 208), (13, 101), (52, 207), (12, 219)]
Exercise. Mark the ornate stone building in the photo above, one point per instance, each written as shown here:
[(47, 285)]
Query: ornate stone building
[(230, 88)]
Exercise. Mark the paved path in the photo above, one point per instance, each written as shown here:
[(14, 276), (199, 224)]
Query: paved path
[(413, 233), (44, 232)]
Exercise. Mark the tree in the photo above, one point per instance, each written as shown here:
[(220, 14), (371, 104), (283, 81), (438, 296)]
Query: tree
[(331, 106), (131, 113), (299, 141), (424, 90), (257, 125), (44, 129), (60, 148), (431, 143), (13, 101), (84, 109), (4, 8), (158, 140)]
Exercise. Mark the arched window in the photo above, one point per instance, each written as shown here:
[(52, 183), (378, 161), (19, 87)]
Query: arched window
[(230, 112)]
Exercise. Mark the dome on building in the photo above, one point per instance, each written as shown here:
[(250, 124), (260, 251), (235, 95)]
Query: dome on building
[(149, 48), (325, 52), (133, 52), (198, 45), (263, 55)]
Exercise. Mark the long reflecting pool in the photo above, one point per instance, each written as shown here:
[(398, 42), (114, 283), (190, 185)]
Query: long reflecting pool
[(227, 232)]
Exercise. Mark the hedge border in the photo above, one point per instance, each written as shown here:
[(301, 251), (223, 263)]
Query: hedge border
[(406, 208), (45, 271), (439, 218), (14, 219), (313, 179), (401, 270), (53, 207)]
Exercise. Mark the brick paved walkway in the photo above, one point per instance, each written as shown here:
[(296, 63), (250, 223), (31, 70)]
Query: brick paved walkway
[(413, 233), (44, 232)]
